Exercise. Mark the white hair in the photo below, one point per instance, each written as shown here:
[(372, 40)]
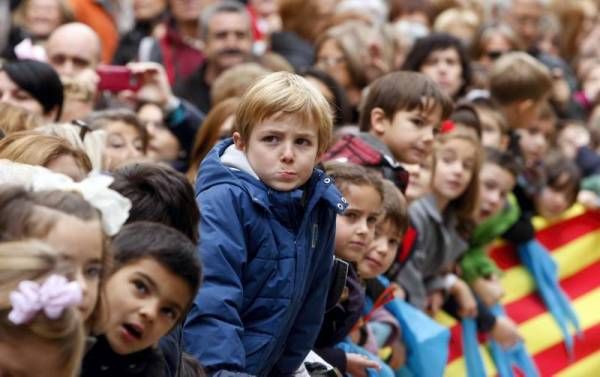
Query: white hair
[(377, 9)]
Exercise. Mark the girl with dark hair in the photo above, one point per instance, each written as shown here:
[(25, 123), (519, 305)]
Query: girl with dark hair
[(34, 86), (443, 58)]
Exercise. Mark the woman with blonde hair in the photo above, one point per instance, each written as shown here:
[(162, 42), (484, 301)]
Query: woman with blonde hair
[(341, 53), (14, 119), (218, 124), (80, 136), (40, 329), (52, 152)]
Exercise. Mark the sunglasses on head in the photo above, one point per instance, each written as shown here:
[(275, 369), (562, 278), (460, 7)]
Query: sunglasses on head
[(83, 128)]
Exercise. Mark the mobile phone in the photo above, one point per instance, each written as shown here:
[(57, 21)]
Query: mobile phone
[(116, 78)]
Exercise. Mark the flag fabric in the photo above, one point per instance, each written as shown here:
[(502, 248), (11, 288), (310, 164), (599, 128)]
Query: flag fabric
[(574, 243)]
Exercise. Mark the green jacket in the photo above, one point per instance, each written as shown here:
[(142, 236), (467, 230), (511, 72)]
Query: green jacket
[(476, 263)]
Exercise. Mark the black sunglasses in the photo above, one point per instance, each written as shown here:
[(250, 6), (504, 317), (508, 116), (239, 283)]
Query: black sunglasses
[(83, 128)]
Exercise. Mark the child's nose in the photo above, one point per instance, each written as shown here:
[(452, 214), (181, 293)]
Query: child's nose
[(149, 310), (288, 153)]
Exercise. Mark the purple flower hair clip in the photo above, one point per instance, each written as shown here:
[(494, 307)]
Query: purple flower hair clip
[(53, 297)]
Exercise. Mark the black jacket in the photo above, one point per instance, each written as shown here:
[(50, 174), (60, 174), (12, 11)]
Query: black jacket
[(102, 361)]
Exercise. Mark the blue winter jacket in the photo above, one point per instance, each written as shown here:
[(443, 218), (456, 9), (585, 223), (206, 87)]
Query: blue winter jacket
[(267, 259)]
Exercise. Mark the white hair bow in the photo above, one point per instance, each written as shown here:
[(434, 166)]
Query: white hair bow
[(113, 206)]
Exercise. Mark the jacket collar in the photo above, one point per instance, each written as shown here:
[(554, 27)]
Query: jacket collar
[(430, 205), (233, 170), (380, 146)]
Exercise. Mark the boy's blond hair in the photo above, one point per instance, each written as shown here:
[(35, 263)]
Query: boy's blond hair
[(284, 93), (517, 76)]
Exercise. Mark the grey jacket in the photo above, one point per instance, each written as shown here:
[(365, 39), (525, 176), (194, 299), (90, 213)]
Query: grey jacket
[(437, 247)]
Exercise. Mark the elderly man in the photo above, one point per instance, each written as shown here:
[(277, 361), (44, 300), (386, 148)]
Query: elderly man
[(72, 48), (226, 30)]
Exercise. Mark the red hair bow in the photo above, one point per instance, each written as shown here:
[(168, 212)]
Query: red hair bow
[(447, 126)]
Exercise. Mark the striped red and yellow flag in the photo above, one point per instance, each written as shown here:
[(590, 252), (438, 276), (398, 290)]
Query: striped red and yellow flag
[(574, 242)]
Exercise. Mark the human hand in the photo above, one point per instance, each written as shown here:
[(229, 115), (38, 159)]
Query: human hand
[(154, 83), (398, 291), (465, 299), (505, 332), (588, 199), (435, 301), (357, 364), (489, 290)]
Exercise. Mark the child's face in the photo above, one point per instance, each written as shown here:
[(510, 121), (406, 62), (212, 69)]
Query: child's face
[(534, 141), (381, 252), (491, 133), (551, 203), (144, 301), (282, 151), (123, 144), (419, 182), (356, 226), (409, 135), (82, 242), (443, 66), (455, 162), (163, 145), (495, 185)]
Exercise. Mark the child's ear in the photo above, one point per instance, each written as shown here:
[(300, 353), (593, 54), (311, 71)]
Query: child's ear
[(525, 105), (504, 139), (239, 142), (379, 121)]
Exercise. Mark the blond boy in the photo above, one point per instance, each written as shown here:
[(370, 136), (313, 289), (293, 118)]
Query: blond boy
[(267, 234)]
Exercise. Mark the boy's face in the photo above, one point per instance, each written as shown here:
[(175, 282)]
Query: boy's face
[(409, 135), (356, 226), (551, 203), (144, 301), (419, 182), (282, 150), (381, 252), (495, 185), (534, 141), (491, 134)]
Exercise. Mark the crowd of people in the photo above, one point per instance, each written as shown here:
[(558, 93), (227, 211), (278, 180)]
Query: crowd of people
[(243, 188)]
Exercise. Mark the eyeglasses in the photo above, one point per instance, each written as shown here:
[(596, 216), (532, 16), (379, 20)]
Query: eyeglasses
[(495, 54), (83, 128), (330, 61)]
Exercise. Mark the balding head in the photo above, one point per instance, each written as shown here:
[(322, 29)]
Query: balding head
[(72, 48)]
